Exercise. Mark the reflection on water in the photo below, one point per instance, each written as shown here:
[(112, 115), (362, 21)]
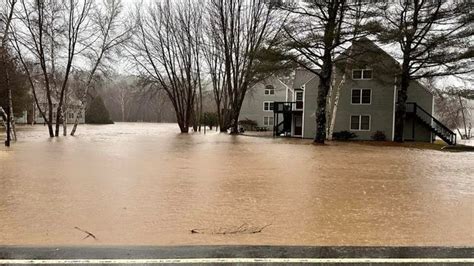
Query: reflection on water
[(146, 184)]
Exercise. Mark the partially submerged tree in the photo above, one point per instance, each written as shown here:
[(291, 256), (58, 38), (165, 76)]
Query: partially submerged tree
[(50, 34), (317, 33), (435, 38), (239, 32), (110, 34), (6, 17), (164, 49)]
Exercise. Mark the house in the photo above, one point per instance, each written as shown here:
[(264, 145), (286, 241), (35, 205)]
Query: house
[(259, 102), (72, 105), (367, 100)]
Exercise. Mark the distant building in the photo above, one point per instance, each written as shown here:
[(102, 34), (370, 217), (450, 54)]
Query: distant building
[(259, 102), (73, 107), (366, 104), (367, 101), (70, 114)]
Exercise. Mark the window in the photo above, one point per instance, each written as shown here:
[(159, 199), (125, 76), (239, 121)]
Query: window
[(269, 90), (71, 115), (360, 122), (367, 74), (362, 74), (268, 106), (361, 96), (356, 74), (299, 96), (299, 100), (268, 120)]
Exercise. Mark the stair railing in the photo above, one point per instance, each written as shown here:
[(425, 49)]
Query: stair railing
[(439, 128)]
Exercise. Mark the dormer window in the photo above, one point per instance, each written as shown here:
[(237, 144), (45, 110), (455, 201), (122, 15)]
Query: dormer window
[(269, 90), (360, 74)]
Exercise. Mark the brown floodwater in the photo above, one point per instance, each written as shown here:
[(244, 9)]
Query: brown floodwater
[(145, 184)]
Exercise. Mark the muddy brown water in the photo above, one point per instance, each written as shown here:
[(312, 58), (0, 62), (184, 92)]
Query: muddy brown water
[(145, 184)]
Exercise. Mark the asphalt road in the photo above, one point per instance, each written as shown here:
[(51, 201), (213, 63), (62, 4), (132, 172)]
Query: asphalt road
[(235, 254)]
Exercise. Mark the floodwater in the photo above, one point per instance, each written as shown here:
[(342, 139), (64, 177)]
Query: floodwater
[(145, 184)]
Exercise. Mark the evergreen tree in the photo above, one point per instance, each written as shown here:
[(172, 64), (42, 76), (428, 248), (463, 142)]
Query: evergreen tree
[(97, 113)]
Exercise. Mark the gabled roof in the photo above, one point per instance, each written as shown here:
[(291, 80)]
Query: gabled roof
[(302, 76), (390, 51)]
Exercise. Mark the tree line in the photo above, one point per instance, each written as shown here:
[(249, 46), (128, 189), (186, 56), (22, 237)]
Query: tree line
[(186, 48)]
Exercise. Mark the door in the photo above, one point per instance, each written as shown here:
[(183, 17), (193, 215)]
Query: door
[(298, 125)]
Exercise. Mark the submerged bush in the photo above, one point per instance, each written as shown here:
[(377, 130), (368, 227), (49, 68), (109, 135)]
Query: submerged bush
[(210, 119), (379, 136), (343, 135), (248, 124)]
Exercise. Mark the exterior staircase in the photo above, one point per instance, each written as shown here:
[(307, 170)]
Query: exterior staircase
[(432, 123), (283, 128)]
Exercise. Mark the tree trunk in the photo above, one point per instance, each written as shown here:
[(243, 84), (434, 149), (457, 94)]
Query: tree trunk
[(64, 123), (12, 114), (10, 107), (400, 113), (76, 121), (183, 127), (323, 90), (463, 118), (347, 68), (8, 140)]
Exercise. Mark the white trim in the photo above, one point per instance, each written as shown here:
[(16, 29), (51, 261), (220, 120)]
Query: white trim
[(295, 99), (431, 120), (362, 73), (293, 121), (394, 107), (302, 116), (269, 125), (360, 122), (286, 86), (265, 90), (269, 109), (361, 89), (241, 260)]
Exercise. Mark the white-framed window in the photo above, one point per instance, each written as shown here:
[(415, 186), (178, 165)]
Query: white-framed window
[(360, 122), (361, 96), (299, 96), (71, 115), (359, 74), (267, 106), (299, 99), (268, 120), (269, 90)]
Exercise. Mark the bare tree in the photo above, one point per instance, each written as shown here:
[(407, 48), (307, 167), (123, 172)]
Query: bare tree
[(50, 34), (110, 34), (317, 34), (435, 38), (453, 110), (8, 10), (164, 49), (239, 29), (359, 14)]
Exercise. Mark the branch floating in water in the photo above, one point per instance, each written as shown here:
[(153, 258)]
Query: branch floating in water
[(88, 234), (243, 229)]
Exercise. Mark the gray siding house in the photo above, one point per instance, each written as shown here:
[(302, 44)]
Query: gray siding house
[(367, 99), (259, 102), (72, 105)]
